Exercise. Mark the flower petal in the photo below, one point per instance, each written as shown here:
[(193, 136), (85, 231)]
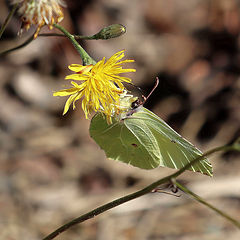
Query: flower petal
[(80, 68), (65, 92), (69, 102), (78, 77)]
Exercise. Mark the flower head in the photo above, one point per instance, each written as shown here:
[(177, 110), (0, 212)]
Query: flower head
[(40, 12), (100, 88)]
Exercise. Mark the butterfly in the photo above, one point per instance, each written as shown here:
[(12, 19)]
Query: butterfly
[(142, 139)]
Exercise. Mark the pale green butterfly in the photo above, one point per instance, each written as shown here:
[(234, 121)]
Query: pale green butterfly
[(139, 137)]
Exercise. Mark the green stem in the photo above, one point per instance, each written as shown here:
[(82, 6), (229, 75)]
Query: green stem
[(8, 19), (111, 31), (199, 199), (30, 39), (87, 60), (137, 194), (77, 37)]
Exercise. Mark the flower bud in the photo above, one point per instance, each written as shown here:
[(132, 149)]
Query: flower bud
[(112, 31)]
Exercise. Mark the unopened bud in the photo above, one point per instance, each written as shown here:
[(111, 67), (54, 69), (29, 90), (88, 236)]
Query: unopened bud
[(111, 31)]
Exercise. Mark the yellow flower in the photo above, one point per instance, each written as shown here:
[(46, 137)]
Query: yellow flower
[(40, 12), (100, 86)]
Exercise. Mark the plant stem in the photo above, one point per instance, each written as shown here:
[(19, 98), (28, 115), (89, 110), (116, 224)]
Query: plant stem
[(199, 199), (137, 194), (8, 19), (87, 60), (30, 39), (63, 35)]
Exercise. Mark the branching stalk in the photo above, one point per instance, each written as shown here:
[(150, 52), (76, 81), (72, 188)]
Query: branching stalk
[(66, 34), (30, 39), (139, 193), (87, 60), (199, 199), (77, 37), (85, 57)]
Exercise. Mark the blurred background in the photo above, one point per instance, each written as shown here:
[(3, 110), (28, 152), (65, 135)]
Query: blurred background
[(51, 171)]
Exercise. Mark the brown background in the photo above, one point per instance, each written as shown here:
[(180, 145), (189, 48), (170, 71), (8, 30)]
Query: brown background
[(51, 171)]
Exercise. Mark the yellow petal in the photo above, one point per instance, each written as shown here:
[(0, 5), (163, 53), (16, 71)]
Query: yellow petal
[(65, 92), (80, 68), (79, 87), (68, 103), (78, 77), (80, 94), (125, 61)]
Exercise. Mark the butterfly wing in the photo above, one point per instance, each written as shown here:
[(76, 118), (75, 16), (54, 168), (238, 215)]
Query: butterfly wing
[(175, 151), (137, 146), (145, 141)]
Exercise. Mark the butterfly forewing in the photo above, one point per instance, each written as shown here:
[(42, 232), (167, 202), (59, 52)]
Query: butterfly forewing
[(176, 151)]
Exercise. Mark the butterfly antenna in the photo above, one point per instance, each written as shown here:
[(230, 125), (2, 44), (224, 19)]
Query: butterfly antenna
[(138, 103), (155, 86)]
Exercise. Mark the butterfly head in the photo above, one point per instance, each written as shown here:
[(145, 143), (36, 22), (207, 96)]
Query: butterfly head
[(127, 104)]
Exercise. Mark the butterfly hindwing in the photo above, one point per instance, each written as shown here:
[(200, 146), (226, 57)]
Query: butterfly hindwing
[(122, 144)]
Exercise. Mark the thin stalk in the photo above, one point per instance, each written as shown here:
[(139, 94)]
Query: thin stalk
[(87, 60), (3, 27), (199, 199), (137, 194), (30, 39), (77, 37)]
